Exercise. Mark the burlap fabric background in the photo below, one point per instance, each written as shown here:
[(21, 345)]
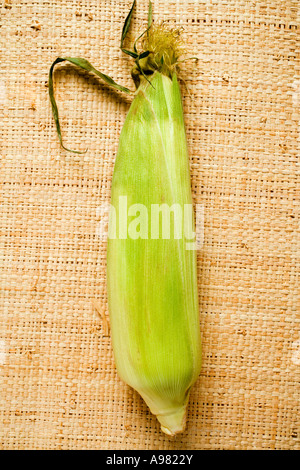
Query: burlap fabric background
[(59, 387)]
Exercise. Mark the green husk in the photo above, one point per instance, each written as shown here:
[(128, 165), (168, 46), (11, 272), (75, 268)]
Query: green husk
[(152, 282)]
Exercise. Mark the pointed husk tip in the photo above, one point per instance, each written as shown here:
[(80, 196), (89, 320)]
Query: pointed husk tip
[(173, 423), (170, 414)]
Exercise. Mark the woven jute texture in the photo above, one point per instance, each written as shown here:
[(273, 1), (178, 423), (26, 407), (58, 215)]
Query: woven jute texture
[(59, 387)]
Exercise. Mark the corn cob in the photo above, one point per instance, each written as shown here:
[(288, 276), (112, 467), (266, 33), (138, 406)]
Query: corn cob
[(152, 280)]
